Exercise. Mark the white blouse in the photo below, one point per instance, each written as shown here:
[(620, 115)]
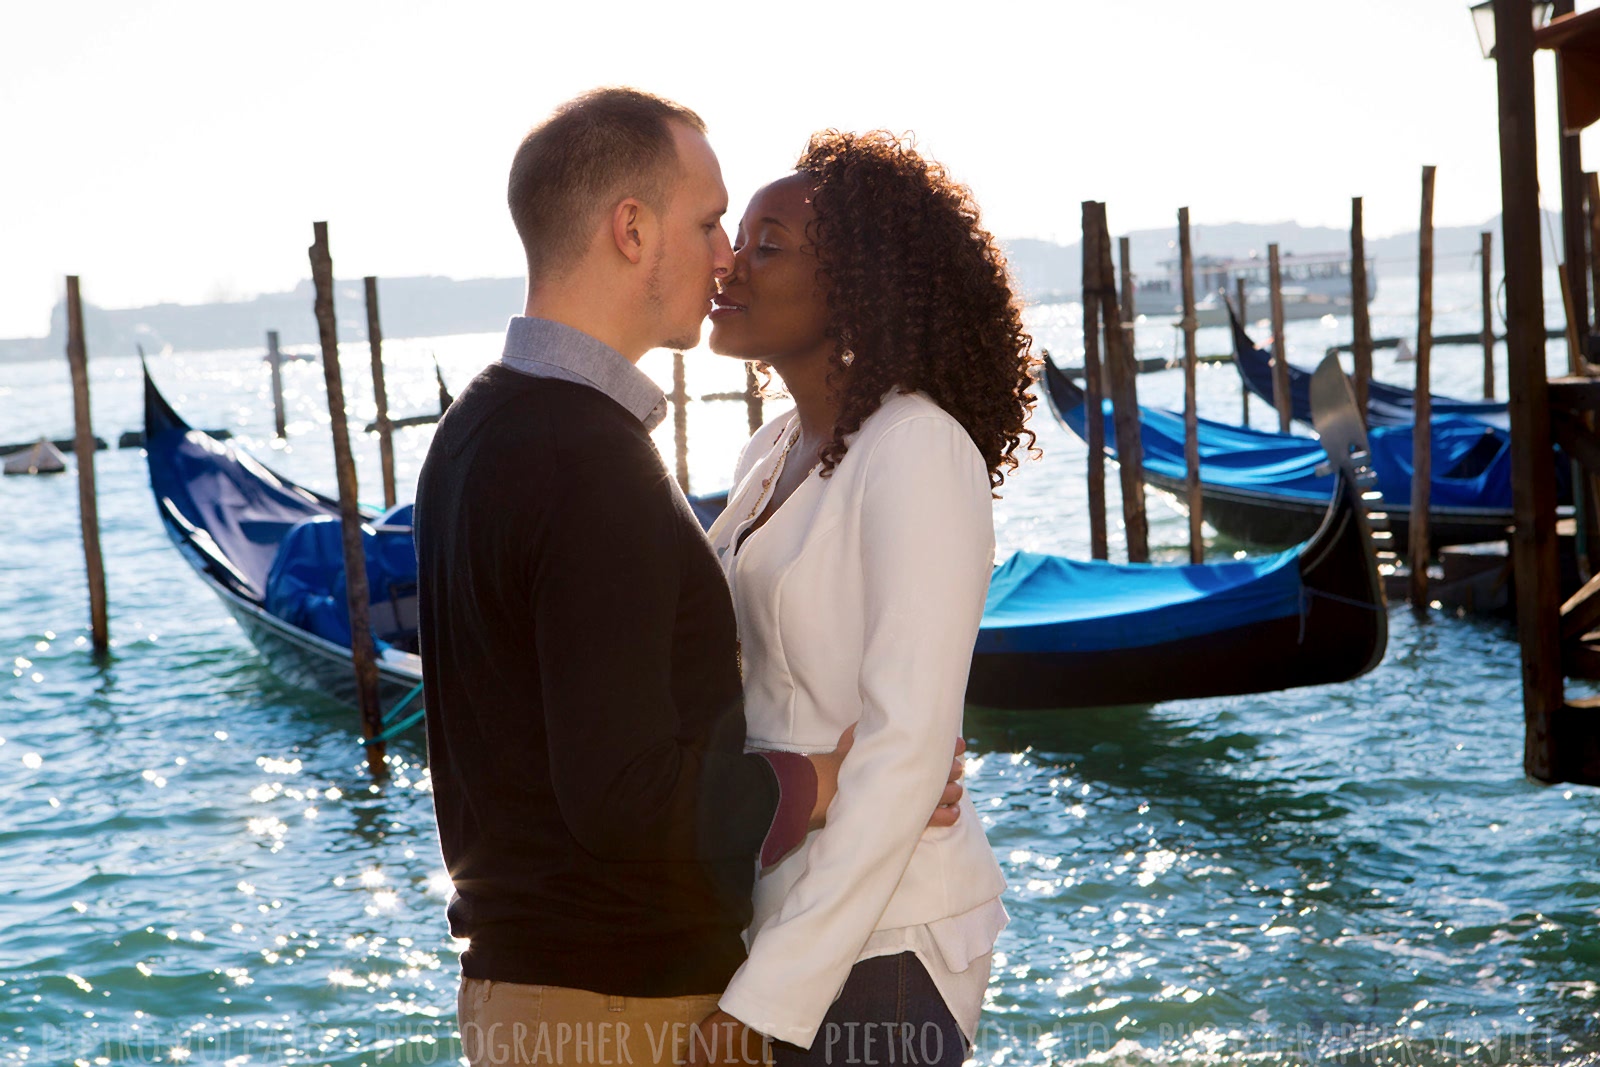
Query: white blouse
[(859, 601)]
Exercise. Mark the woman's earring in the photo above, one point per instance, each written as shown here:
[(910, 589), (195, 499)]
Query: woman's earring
[(847, 358)]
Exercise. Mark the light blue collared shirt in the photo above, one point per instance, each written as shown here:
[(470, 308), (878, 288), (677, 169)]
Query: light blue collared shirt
[(541, 348)]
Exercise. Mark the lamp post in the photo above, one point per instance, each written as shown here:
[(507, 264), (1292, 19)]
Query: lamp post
[(1483, 22)]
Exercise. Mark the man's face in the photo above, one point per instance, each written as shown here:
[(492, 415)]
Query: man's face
[(693, 249)]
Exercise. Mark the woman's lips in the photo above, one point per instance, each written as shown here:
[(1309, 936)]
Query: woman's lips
[(721, 309)]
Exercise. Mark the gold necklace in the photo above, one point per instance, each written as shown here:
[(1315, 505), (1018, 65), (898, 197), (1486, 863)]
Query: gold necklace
[(777, 469), (766, 485)]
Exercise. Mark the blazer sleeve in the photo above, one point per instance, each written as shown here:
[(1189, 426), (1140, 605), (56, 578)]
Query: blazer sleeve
[(927, 546)]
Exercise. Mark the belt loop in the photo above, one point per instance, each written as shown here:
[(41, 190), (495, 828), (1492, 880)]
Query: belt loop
[(616, 1003)]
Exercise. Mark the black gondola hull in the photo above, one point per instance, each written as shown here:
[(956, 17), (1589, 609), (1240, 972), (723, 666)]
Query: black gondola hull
[(1340, 633)]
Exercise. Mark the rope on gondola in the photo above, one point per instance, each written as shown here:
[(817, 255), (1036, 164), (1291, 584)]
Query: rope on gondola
[(1306, 593), (392, 728)]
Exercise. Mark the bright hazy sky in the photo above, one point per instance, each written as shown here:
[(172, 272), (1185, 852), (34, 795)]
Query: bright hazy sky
[(181, 150)]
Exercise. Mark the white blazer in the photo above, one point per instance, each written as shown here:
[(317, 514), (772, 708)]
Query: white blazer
[(859, 601)]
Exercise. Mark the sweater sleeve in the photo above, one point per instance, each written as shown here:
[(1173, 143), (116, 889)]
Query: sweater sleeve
[(605, 596), (927, 542)]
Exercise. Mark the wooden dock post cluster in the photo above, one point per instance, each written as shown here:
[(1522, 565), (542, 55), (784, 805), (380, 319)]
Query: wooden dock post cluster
[(1561, 737), (83, 446), (680, 399), (358, 596), (1099, 284), (1244, 319)]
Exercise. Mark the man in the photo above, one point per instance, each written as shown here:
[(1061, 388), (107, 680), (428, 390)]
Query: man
[(598, 816)]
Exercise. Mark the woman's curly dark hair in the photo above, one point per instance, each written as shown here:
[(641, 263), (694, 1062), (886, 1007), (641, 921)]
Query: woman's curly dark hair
[(918, 290)]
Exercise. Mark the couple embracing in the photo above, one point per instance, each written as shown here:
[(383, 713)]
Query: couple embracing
[(696, 794)]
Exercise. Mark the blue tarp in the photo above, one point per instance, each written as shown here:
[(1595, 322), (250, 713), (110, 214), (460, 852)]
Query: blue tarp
[(306, 586), (1041, 603), (1471, 460)]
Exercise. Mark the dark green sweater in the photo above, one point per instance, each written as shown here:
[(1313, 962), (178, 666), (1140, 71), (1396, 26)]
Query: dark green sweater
[(585, 729)]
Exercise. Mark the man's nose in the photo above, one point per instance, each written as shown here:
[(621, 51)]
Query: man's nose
[(721, 255)]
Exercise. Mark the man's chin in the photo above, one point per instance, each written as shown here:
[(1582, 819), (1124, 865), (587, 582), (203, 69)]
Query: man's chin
[(682, 342)]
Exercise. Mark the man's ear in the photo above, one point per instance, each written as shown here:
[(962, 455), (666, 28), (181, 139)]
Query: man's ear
[(628, 226)]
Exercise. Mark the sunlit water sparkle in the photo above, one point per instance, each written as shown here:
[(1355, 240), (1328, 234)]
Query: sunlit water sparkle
[(198, 870)]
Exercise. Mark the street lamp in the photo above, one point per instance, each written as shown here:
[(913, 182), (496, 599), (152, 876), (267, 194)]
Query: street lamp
[(1483, 22)]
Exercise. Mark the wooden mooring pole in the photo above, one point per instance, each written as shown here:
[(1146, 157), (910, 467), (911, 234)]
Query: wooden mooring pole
[(1533, 489), (1573, 235), (275, 361), (379, 392), (680, 421), (1244, 319), (1191, 417), (83, 445), (1593, 182), (1125, 257), (363, 651), (1124, 400), (1093, 387), (1360, 320), (1422, 427), (1486, 253), (1280, 358)]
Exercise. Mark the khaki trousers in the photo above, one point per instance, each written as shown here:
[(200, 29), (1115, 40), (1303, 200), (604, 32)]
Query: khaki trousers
[(505, 1024)]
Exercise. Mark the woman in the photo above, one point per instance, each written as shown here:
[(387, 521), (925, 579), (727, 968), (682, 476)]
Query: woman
[(858, 543)]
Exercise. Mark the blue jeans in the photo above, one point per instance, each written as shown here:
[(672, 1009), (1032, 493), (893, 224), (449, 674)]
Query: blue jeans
[(890, 1014)]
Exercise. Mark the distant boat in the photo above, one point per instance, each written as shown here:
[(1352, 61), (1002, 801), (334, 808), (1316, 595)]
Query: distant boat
[(1387, 405), (1311, 286), (1264, 488), (41, 457)]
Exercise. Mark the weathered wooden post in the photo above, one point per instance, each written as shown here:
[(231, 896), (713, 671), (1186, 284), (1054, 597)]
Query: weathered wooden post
[(379, 393), (1124, 390), (752, 398), (1486, 253), (1573, 237), (1593, 180), (1124, 254), (1360, 320), (275, 361), (680, 421), (1191, 417), (1422, 427), (1244, 320), (1093, 388), (1533, 489), (1280, 358), (83, 449), (363, 651)]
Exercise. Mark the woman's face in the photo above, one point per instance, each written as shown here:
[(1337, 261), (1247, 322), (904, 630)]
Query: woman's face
[(772, 306)]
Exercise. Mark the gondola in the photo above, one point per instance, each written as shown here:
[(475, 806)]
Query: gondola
[(1387, 405), (1263, 488), (229, 516), (1057, 633), (1063, 633)]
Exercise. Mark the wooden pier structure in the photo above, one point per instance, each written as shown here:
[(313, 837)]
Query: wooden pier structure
[(1558, 636)]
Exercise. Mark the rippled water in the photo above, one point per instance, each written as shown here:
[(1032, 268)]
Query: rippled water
[(197, 869)]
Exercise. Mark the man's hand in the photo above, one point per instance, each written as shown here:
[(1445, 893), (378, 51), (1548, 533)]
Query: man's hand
[(719, 1039), (826, 764), (948, 812)]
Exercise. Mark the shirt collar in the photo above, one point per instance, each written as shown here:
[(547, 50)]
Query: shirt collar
[(546, 349)]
